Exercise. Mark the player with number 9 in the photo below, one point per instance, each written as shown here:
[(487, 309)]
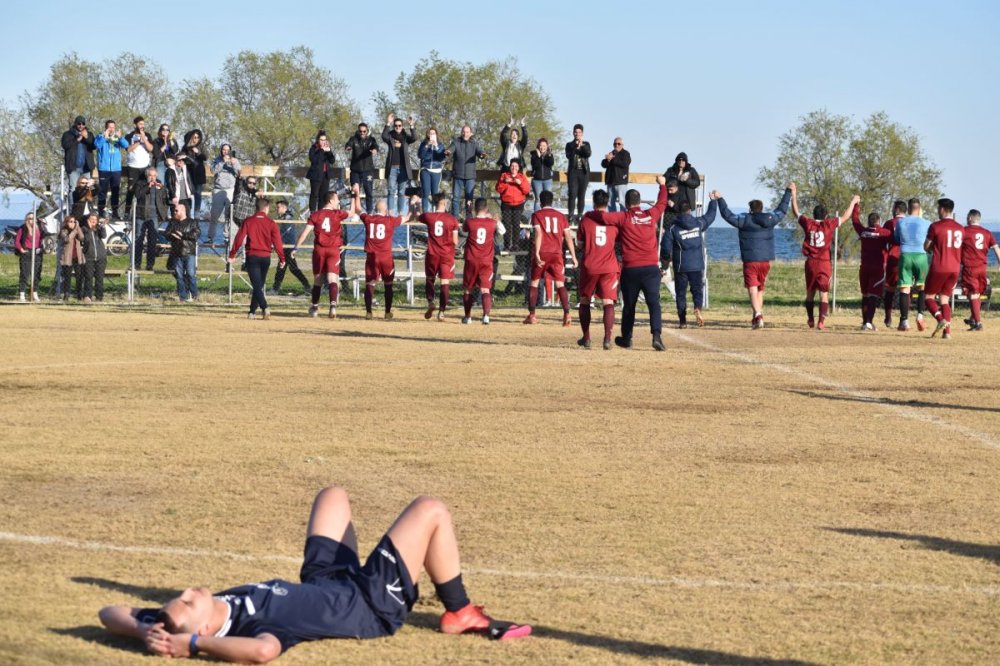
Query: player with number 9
[(819, 232), (944, 242), (325, 223), (379, 229), (439, 262), (479, 248)]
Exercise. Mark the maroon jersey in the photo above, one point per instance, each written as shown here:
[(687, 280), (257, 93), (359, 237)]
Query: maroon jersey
[(945, 237), (378, 232), (819, 236), (440, 233), (597, 242), (976, 244), (479, 245), (893, 246), (326, 226), (552, 226), (637, 231), (874, 242)]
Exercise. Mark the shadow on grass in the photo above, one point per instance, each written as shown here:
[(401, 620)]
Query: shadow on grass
[(407, 338), (629, 647), (963, 548), (890, 401), (100, 636), (155, 595)]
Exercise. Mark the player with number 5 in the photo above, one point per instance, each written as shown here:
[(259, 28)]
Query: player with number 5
[(819, 232), (379, 229), (944, 242)]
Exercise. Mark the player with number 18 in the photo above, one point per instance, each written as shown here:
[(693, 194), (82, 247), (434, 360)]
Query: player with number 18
[(379, 229)]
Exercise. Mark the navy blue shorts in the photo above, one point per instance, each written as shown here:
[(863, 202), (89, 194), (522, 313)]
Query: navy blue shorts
[(383, 580)]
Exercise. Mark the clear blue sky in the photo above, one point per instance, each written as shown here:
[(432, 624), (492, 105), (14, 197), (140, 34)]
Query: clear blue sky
[(719, 80)]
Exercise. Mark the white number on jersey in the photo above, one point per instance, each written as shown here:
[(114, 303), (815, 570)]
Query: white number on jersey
[(326, 225), (600, 236), (480, 236), (817, 238), (376, 231), (980, 241), (439, 228), (551, 225), (954, 239)]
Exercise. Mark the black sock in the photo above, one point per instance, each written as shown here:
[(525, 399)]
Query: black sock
[(452, 594), (920, 302), (904, 307)]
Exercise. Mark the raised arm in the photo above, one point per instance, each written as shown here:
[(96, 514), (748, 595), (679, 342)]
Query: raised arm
[(661, 199), (795, 200), (708, 218), (855, 200), (738, 221), (782, 208), (856, 220)]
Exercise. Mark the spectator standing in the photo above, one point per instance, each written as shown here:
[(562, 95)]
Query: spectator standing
[(109, 167), (688, 180), (542, 163), (138, 155), (151, 208), (513, 187), (512, 144), (78, 151), (180, 190), (28, 244), (84, 197), (322, 160), (288, 238), (194, 152), (261, 235), (245, 200), (164, 148), (96, 259), (362, 148), (397, 162), (616, 165), (578, 172), (226, 171), (464, 151), (431, 154), (183, 233), (71, 257)]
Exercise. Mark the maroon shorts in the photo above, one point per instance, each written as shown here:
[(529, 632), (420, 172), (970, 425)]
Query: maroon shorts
[(326, 260), (604, 285), (439, 266), (891, 273), (974, 281), (818, 275), (477, 275), (552, 264), (872, 280), (379, 266), (940, 283), (755, 274)]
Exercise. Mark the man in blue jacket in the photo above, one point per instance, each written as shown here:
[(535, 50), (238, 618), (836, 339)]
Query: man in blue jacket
[(756, 231), (684, 246), (109, 146)]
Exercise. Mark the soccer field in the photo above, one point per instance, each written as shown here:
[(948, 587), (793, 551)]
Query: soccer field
[(779, 497)]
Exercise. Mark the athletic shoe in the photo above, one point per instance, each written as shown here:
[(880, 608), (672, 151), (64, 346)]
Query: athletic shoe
[(976, 326), (369, 315), (86, 299), (267, 314), (584, 342), (251, 315), (920, 322), (486, 320), (941, 325), (466, 320), (811, 323), (947, 333), (430, 311), (472, 619), (34, 296), (189, 299), (623, 342), (698, 318), (888, 322), (758, 322), (682, 325), (607, 345), (658, 343), (530, 319), (313, 310), (440, 315), (821, 326), (867, 326), (21, 298), (567, 320), (968, 322), (333, 312), (388, 315), (903, 325)]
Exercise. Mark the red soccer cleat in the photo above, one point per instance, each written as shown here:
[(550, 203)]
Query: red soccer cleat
[(567, 320), (822, 324), (472, 619), (811, 323), (531, 319), (920, 322)]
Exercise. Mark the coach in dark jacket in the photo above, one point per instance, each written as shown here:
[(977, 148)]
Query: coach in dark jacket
[(78, 151), (688, 180), (684, 243)]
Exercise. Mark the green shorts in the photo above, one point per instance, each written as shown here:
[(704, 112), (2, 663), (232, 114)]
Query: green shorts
[(912, 269)]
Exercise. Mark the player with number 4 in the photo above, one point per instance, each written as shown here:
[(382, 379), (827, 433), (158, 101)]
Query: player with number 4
[(439, 262), (326, 223), (819, 232), (551, 230), (379, 229)]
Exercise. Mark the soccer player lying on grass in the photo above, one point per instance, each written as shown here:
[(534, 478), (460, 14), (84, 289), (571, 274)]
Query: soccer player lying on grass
[(337, 598)]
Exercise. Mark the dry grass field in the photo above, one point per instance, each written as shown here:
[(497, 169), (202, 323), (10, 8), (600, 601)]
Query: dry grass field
[(774, 497)]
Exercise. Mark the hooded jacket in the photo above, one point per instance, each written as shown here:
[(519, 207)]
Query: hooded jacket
[(196, 158), (464, 155), (93, 243), (69, 146), (756, 230), (685, 242), (687, 190), (362, 159)]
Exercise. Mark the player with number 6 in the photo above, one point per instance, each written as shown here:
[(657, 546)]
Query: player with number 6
[(439, 262), (819, 232)]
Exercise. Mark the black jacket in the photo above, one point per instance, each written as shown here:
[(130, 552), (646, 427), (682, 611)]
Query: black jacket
[(616, 169), (141, 192), (163, 149), (317, 159), (522, 143), (541, 167), (189, 231), (583, 152), (69, 150), (196, 158), (170, 176), (362, 159), (405, 137), (84, 201), (686, 190), (93, 243)]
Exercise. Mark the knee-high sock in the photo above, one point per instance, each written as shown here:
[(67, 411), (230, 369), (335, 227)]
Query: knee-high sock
[(429, 291), (369, 296), (334, 291), (316, 291), (946, 311), (904, 306), (445, 289), (871, 305), (975, 304), (824, 309), (810, 308), (388, 296), (887, 298), (467, 303), (585, 319), (932, 307), (548, 288), (921, 301), (609, 321), (532, 299), (564, 299), (487, 304)]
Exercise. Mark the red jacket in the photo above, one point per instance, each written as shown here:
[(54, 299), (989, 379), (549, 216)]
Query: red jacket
[(637, 231), (513, 189), (262, 234)]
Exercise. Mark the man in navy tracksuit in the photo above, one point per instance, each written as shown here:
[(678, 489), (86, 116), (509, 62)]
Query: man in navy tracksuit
[(684, 246), (756, 246)]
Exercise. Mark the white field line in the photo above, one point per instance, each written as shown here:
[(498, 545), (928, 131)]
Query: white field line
[(922, 416), (641, 581)]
